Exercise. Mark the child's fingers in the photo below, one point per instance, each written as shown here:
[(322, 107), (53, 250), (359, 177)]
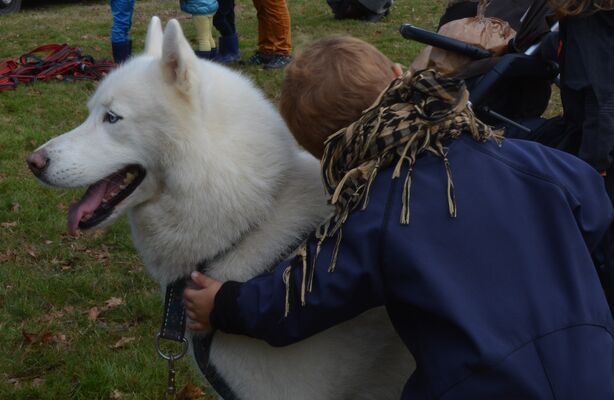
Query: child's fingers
[(192, 315), (196, 326), (189, 295), (202, 280)]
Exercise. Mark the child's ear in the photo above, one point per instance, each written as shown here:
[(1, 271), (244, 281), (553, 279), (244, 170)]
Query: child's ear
[(397, 70)]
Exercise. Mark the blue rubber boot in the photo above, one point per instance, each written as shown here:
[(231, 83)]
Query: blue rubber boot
[(121, 51), (228, 50), (205, 55)]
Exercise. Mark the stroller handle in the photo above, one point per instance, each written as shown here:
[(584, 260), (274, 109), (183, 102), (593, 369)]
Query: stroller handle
[(411, 32)]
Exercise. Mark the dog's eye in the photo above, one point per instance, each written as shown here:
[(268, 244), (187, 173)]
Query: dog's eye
[(111, 117)]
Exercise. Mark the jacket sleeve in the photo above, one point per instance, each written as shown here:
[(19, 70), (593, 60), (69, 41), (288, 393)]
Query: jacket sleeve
[(256, 308), (588, 199)]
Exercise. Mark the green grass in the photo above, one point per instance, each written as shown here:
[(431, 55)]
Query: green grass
[(49, 348)]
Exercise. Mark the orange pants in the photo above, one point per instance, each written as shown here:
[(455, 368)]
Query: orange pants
[(274, 36)]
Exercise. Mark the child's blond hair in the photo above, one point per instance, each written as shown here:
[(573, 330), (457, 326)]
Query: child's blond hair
[(328, 85)]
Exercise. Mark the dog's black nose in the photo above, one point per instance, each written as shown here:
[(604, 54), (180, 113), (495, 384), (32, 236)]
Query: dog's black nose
[(38, 162)]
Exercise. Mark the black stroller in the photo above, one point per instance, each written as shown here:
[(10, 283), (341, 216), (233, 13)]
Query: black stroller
[(525, 73)]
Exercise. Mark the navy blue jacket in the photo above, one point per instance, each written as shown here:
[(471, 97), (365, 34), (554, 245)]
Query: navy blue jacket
[(501, 302)]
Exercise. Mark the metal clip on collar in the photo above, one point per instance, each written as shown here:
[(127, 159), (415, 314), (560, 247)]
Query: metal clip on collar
[(171, 388)]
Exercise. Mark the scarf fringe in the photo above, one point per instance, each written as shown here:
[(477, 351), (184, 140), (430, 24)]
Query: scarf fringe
[(286, 278), (303, 254), (406, 191), (451, 196), (333, 262)]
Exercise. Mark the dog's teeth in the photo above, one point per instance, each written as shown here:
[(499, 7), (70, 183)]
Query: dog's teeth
[(129, 178), (123, 186)]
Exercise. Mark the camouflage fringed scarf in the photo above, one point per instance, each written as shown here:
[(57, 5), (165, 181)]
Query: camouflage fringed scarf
[(412, 116)]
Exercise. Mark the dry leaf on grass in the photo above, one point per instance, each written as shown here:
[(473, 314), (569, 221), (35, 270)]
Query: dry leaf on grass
[(190, 392), (44, 338), (30, 337), (31, 251), (116, 395), (7, 225), (113, 302), (93, 314), (15, 207), (123, 342), (14, 381), (36, 382), (8, 255)]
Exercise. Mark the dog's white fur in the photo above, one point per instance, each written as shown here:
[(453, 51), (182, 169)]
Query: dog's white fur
[(223, 168)]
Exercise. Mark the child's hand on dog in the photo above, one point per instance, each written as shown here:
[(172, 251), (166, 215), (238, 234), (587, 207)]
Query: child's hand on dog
[(199, 302)]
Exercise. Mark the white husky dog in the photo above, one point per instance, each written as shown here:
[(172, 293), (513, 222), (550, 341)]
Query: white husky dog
[(201, 162)]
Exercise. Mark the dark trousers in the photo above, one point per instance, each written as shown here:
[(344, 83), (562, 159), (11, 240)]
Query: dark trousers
[(592, 118), (224, 18)]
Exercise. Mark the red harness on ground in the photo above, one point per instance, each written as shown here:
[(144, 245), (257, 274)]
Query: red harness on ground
[(58, 61)]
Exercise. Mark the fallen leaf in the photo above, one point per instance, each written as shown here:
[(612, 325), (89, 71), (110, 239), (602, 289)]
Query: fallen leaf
[(45, 337), (190, 392), (8, 255), (62, 207), (33, 142), (113, 302), (14, 381), (30, 337), (59, 338), (48, 241), (30, 250), (36, 382), (122, 342), (7, 225), (53, 315), (116, 395), (93, 314), (15, 207)]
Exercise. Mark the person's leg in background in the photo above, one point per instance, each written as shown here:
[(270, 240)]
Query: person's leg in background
[(202, 15), (274, 34), (224, 22), (206, 47), (121, 44), (599, 111)]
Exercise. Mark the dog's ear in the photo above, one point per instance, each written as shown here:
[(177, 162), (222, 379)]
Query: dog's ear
[(179, 63), (153, 40)]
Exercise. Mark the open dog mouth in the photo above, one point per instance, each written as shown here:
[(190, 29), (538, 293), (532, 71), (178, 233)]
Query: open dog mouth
[(100, 199)]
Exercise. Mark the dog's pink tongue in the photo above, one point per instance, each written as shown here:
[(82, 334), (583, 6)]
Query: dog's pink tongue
[(88, 203)]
